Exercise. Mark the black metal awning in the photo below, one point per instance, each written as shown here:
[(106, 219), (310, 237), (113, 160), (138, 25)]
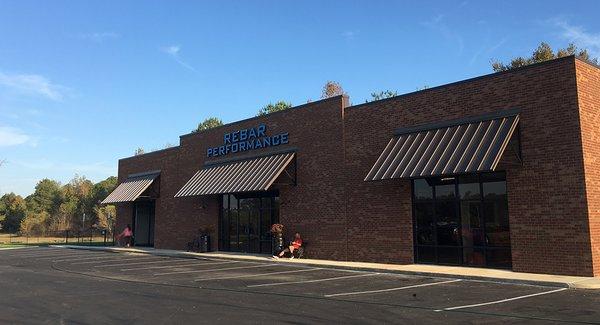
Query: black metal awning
[(131, 188), (250, 175), (454, 147)]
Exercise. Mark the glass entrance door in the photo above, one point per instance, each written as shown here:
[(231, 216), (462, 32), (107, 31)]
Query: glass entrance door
[(246, 220), (462, 220)]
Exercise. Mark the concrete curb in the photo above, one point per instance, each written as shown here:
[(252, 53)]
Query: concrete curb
[(578, 283)]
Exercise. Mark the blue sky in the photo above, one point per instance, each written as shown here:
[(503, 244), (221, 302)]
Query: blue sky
[(85, 83)]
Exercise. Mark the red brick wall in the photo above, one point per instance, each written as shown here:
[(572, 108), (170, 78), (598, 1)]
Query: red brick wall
[(315, 207), (547, 206), (588, 86), (345, 218)]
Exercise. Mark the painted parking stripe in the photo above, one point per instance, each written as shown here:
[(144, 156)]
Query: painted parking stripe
[(312, 281), (41, 253), (178, 265), (68, 256), (391, 289), (504, 300), (255, 275), (49, 254), (124, 258), (162, 260), (24, 250), (73, 259), (214, 270)]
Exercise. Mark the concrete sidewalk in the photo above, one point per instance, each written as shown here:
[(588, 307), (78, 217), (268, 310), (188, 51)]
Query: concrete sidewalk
[(472, 273)]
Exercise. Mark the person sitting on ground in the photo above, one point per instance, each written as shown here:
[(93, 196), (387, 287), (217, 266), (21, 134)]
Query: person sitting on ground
[(127, 234), (297, 243)]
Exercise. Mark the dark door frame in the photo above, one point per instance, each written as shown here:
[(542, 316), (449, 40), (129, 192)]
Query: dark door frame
[(151, 222)]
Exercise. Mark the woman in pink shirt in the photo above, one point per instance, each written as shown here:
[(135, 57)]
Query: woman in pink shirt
[(127, 234)]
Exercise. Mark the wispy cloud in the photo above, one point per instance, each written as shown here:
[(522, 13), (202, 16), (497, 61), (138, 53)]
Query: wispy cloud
[(10, 136), (173, 52), (487, 50), (438, 23), (349, 35), (579, 35), (101, 168), (99, 37), (33, 84)]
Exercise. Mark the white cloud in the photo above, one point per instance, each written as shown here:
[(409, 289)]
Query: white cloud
[(349, 35), (99, 37), (33, 84), (46, 165), (438, 24), (10, 136), (173, 52), (579, 36)]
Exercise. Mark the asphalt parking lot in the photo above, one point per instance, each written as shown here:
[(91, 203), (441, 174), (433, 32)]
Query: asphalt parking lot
[(58, 285)]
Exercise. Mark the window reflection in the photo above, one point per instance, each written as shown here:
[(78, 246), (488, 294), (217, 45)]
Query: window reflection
[(462, 220), (423, 191)]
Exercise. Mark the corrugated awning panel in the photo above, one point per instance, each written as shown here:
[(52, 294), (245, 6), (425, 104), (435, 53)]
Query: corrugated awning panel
[(256, 174), (131, 188), (453, 149)]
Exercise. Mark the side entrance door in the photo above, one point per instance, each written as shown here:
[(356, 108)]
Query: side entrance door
[(143, 224)]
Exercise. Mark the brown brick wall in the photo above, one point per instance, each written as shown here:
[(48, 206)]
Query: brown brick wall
[(548, 217), (345, 218), (315, 207), (588, 85)]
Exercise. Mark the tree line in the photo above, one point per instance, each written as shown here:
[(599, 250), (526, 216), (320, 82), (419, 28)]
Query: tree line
[(56, 207)]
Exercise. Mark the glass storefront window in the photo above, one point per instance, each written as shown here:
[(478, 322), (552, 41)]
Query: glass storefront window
[(422, 190), (425, 224), (468, 187), (446, 190), (246, 220), (462, 220), (447, 223)]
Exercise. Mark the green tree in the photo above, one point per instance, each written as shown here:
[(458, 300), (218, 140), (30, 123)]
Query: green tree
[(105, 216), (35, 223), (12, 210), (543, 53), (46, 197), (272, 108), (208, 123), (103, 188), (382, 95), (78, 192), (332, 89)]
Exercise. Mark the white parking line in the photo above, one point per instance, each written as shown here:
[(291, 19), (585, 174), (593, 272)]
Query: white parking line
[(178, 265), (311, 281), (71, 259), (66, 256), (391, 289), (214, 270), (255, 275), (124, 258), (503, 300), (163, 260), (38, 254)]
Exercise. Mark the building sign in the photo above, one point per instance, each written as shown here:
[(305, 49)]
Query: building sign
[(247, 139)]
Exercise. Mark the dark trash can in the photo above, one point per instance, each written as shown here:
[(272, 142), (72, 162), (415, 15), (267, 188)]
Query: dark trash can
[(204, 246)]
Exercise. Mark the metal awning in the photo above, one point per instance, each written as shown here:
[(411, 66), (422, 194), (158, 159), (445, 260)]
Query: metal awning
[(455, 147), (131, 188), (250, 175)]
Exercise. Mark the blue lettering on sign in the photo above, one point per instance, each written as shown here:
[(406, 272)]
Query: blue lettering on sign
[(247, 139)]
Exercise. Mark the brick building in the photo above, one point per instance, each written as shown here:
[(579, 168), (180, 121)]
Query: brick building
[(496, 171)]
